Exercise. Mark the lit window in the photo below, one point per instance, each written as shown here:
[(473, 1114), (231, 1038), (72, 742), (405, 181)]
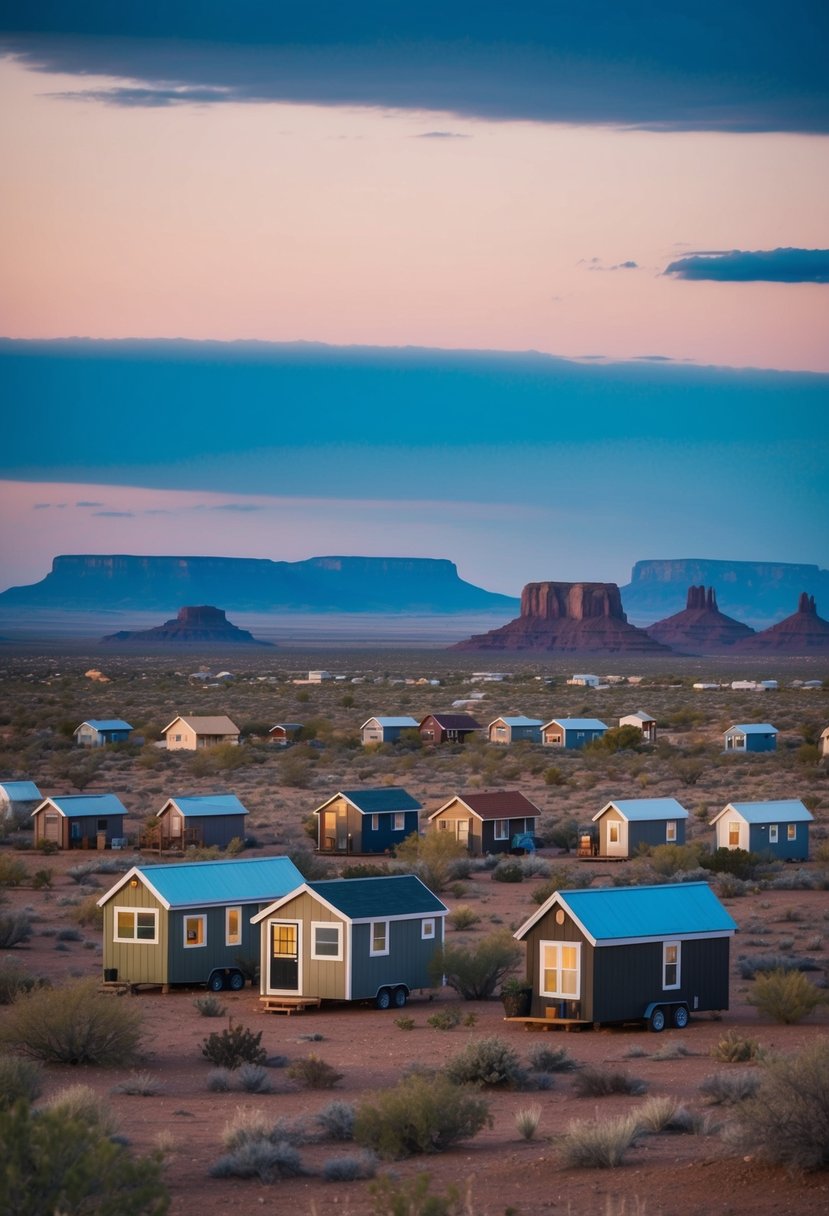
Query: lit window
[(136, 925), (670, 964), (670, 831), (379, 937), (561, 969), (195, 931), (613, 833), (399, 823), (427, 928), (326, 939), (733, 835), (791, 831), (233, 927)]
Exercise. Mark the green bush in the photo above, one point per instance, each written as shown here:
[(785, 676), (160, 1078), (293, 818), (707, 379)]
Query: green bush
[(475, 972), (81, 1102), (234, 1046), (431, 857), (314, 1073), (487, 1062), (736, 1048), (74, 1024), (508, 870), (55, 1163), (601, 1145), (787, 1123), (737, 862), (444, 1019), (785, 996), (13, 872), (419, 1115), (15, 927), (209, 1006), (259, 1159), (599, 1083), (19, 1078), (413, 1197), (463, 917)]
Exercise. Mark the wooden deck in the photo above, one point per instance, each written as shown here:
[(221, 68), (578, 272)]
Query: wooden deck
[(550, 1022), (288, 1004)]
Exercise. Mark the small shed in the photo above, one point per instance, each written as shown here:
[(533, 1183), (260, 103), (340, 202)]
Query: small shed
[(583, 679), (824, 743), (644, 722), (571, 733), (625, 824), (98, 732), (617, 954), (193, 733), (351, 939), (751, 737), (385, 730), (190, 923), (515, 730), (366, 821), (448, 728), (284, 733), (488, 822), (779, 828), (79, 821), (201, 819), (17, 801)]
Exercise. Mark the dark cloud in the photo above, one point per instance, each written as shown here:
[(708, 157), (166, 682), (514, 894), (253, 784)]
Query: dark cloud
[(626, 266), (89, 504), (114, 514), (746, 65), (763, 265)]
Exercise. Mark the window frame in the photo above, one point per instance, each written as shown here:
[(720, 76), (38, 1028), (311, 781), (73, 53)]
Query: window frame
[(230, 938), (331, 926), (135, 939), (670, 831), (373, 950), (774, 833), (398, 821), (200, 940), (791, 831), (374, 825), (428, 928), (666, 963), (559, 947)]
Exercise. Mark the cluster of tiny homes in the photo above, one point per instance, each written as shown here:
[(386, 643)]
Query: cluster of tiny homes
[(456, 728)]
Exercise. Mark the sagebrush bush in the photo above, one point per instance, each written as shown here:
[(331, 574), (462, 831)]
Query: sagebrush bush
[(787, 1122), (13, 872), (88, 914), (599, 1083), (336, 1121), (246, 1124), (736, 1048), (486, 1062), (139, 1084), (419, 1115), (785, 996), (508, 870), (600, 1145), (259, 1159), (444, 1019), (527, 1120), (314, 1073), (664, 1114), (253, 1079), (350, 1169), (14, 981), (475, 972), (209, 1006), (15, 927), (19, 1078), (552, 1059), (726, 1088), (463, 917), (233, 1046), (81, 1102), (220, 1081), (74, 1024), (750, 967), (393, 1196)]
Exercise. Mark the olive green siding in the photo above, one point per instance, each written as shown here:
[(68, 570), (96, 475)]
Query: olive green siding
[(136, 962), (327, 977)]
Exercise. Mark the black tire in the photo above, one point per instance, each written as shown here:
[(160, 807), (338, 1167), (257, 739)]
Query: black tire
[(383, 998), (216, 982), (399, 997), (236, 981), (657, 1020), (680, 1017)]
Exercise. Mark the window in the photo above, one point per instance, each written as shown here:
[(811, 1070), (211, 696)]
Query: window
[(501, 829), (443, 825), (195, 931), (427, 928), (670, 831), (733, 835), (670, 964), (379, 937), (136, 925), (326, 940), (375, 823), (791, 831), (233, 927), (399, 821), (773, 833), (613, 833), (561, 969), (102, 825), (556, 738)]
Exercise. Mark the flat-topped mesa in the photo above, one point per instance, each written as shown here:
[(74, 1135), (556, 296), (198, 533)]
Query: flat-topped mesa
[(200, 624), (568, 618), (802, 633), (700, 628)]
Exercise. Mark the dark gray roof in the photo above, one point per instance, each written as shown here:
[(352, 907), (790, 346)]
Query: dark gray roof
[(393, 895)]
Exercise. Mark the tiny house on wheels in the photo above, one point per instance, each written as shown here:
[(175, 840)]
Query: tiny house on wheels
[(623, 954), (189, 923), (349, 939)]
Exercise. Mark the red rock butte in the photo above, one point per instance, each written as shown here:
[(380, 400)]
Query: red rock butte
[(700, 628), (802, 633), (569, 618)]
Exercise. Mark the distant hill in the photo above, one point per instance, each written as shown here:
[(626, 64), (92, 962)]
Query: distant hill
[(118, 582)]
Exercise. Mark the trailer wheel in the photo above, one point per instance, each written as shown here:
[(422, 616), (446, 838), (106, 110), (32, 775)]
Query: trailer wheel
[(656, 1021), (236, 981), (680, 1017), (216, 982), (399, 997), (383, 998)]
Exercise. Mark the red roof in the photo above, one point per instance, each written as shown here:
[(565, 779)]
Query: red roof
[(498, 804)]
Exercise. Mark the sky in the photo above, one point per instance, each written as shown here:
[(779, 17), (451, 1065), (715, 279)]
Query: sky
[(541, 288)]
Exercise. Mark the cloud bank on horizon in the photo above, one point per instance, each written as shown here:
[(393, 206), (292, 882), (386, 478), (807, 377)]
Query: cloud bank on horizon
[(755, 266)]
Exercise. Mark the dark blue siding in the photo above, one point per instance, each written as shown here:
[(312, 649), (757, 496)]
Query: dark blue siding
[(784, 849)]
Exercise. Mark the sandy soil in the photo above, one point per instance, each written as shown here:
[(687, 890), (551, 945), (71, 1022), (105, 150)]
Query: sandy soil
[(666, 1174)]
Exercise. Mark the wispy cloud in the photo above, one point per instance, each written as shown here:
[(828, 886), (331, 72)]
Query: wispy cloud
[(744, 266), (114, 514), (442, 135)]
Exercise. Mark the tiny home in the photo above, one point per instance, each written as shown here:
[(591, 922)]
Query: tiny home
[(192, 733), (625, 824), (351, 939), (618, 954), (750, 737), (571, 732), (779, 828), (448, 728), (203, 820), (189, 923), (492, 822), (385, 730), (284, 733), (17, 801), (79, 821), (645, 723), (584, 680), (366, 821), (97, 732), (515, 730), (824, 743)]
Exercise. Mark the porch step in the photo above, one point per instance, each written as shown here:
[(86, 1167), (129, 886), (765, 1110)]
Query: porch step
[(288, 1004), (550, 1023)]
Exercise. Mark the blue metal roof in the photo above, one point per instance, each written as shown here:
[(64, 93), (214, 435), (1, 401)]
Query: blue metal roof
[(79, 806), (206, 805), (21, 791), (392, 895), (191, 884), (784, 810), (407, 722), (106, 724), (753, 728), (519, 721), (375, 801), (643, 809), (580, 723)]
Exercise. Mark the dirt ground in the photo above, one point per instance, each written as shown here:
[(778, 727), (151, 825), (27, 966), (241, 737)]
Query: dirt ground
[(503, 1173)]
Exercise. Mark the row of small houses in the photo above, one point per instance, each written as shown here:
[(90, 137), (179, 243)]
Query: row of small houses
[(374, 821)]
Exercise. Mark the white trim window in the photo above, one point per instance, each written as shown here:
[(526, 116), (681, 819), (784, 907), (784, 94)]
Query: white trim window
[(375, 823), (671, 964), (427, 928), (398, 821), (136, 925), (773, 833), (560, 971), (500, 830), (195, 931), (326, 940), (613, 833), (670, 831), (379, 938), (233, 926)]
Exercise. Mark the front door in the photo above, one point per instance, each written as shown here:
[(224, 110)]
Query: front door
[(284, 961), (617, 838), (463, 832)]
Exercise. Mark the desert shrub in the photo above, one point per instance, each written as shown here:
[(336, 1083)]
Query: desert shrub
[(88, 914), (259, 1159), (486, 1062), (475, 972), (337, 1121), (350, 1168), (672, 1051), (600, 1145), (13, 872), (554, 776), (19, 1078), (74, 1024), (798, 880), (736, 862), (314, 1073), (209, 1006), (534, 866), (727, 1088), (664, 1115), (42, 880), (69, 935), (552, 1059), (246, 1125), (599, 1083), (463, 917), (253, 1079), (670, 859), (787, 1122), (361, 869), (736, 1048), (785, 996), (14, 981), (729, 886), (81, 1102), (15, 927), (220, 1081), (55, 1163), (444, 1019), (431, 857), (527, 1120), (82, 872), (564, 835), (413, 1197), (234, 1046), (419, 1115), (405, 1022), (139, 1084), (508, 870), (561, 878)]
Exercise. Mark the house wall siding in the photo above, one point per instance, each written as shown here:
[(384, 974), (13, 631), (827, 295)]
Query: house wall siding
[(136, 962), (784, 849), (407, 961)]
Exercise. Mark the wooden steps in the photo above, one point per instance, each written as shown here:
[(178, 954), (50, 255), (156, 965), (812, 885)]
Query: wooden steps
[(288, 1004), (550, 1023)]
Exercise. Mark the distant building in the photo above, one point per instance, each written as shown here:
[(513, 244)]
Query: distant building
[(625, 824), (193, 733), (490, 822), (367, 820), (779, 827), (514, 730), (571, 733), (201, 819), (98, 732), (17, 800), (284, 733), (79, 821), (751, 737), (644, 721), (584, 680), (448, 728), (385, 730)]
